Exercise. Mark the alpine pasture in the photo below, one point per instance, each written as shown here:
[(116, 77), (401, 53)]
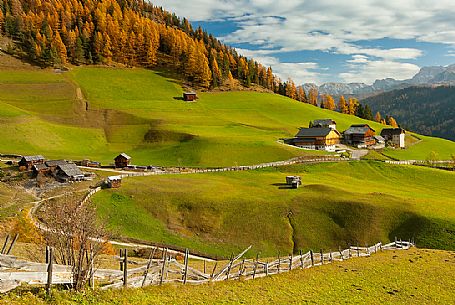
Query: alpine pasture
[(140, 112)]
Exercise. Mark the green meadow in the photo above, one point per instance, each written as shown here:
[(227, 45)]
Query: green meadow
[(140, 112), (339, 203), (392, 277)]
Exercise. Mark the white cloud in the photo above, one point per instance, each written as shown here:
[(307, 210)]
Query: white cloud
[(369, 71)]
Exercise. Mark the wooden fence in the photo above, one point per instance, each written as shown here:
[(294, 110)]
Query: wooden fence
[(168, 269)]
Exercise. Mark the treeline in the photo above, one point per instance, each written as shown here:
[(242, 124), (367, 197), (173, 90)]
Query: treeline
[(130, 32), (425, 110), (352, 106)]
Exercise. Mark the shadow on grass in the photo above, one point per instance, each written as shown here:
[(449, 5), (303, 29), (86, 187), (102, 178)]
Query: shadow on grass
[(283, 186)]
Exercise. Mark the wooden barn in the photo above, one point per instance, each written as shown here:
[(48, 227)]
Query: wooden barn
[(114, 182), (323, 138), (122, 160), (189, 96), (394, 136), (359, 136), (69, 172), (27, 162)]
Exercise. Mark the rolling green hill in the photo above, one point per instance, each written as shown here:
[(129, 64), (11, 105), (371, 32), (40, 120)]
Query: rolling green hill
[(140, 112), (339, 203)]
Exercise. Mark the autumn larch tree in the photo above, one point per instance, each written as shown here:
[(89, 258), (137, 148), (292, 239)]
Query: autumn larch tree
[(378, 117), (343, 106), (313, 96)]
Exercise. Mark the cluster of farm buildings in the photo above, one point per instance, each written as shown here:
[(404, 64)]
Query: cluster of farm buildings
[(323, 135)]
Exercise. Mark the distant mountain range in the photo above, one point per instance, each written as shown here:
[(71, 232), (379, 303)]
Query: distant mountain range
[(427, 76)]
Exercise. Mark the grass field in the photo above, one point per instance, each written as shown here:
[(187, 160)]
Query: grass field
[(416, 276), (140, 112), (339, 203)]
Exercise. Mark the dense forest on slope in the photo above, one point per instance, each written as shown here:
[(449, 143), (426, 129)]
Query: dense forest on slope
[(129, 32), (425, 110)]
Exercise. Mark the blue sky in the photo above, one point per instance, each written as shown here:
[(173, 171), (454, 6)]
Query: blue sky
[(331, 40)]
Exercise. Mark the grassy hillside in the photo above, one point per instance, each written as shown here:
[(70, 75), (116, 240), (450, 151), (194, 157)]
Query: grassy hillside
[(399, 277), (220, 213), (140, 112)]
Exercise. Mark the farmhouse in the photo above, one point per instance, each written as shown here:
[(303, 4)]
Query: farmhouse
[(69, 172), (327, 123), (27, 162), (394, 136), (189, 96), (114, 182), (53, 164), (359, 136), (122, 160), (323, 138)]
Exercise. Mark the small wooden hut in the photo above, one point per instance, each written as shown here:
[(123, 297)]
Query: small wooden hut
[(114, 182), (189, 96), (122, 160)]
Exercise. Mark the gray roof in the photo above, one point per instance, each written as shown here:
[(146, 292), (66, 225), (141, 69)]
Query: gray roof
[(52, 163), (325, 122), (379, 138), (39, 167), (358, 129), (313, 132), (124, 156), (33, 158), (392, 131), (70, 170)]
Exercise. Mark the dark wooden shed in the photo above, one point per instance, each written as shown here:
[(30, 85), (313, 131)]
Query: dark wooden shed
[(114, 182), (189, 96), (122, 160), (27, 162)]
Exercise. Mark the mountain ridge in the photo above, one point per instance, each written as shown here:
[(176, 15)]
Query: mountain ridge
[(427, 76)]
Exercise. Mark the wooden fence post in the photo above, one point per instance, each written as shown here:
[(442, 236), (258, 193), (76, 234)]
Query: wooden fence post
[(279, 262), (12, 243), (213, 270), (301, 259), (255, 266), (205, 267), (312, 258), (163, 266), (125, 268), (341, 252), (322, 257), (330, 256), (149, 264), (47, 254), (241, 268), (368, 250), (380, 246), (121, 259), (290, 262), (4, 245), (266, 266), (185, 270), (349, 251), (49, 271), (358, 250), (230, 266), (92, 269)]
